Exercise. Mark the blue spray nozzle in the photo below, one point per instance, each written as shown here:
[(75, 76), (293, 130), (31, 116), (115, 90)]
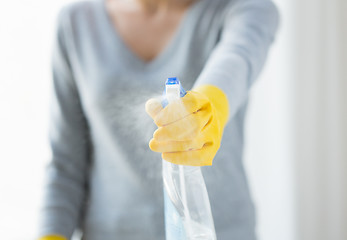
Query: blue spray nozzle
[(172, 81), (172, 84)]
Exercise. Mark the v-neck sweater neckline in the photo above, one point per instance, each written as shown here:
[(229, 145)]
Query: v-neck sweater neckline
[(165, 53)]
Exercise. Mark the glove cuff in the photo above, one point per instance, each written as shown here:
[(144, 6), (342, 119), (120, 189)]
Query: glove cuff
[(218, 99)]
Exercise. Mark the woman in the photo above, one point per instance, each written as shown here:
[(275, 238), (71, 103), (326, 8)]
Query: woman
[(110, 57)]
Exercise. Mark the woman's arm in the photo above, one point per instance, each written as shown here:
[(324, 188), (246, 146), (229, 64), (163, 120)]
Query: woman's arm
[(66, 176), (220, 90), (235, 63)]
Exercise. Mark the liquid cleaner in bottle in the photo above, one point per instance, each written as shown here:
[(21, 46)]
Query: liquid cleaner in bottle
[(188, 213)]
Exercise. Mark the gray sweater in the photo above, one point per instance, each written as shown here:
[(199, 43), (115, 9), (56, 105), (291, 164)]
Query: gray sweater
[(102, 177)]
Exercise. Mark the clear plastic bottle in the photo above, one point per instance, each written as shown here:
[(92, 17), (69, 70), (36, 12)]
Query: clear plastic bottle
[(188, 213)]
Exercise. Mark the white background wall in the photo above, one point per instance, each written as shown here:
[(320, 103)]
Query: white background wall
[(269, 148), (285, 104), (26, 30)]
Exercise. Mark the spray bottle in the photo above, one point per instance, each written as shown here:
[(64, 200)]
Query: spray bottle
[(188, 213)]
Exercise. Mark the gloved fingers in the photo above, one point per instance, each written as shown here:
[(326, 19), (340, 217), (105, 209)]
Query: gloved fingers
[(184, 129), (153, 107), (176, 110), (200, 157), (175, 146), (194, 101)]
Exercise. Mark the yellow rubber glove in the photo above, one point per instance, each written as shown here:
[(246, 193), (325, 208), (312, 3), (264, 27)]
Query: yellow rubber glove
[(190, 129), (53, 237)]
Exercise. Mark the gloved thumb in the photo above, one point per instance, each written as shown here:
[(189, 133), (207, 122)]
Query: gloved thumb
[(153, 107)]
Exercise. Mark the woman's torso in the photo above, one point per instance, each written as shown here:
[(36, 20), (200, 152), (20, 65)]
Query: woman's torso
[(125, 198)]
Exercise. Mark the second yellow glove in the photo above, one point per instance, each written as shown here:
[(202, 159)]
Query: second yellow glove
[(53, 237), (190, 129)]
